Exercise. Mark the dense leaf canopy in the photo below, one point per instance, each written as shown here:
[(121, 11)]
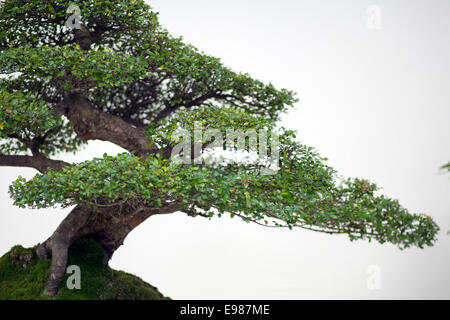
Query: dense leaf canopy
[(130, 68)]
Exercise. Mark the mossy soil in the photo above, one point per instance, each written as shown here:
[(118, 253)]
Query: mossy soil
[(23, 276)]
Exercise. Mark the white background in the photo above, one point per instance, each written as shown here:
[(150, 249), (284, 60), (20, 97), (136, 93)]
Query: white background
[(375, 102)]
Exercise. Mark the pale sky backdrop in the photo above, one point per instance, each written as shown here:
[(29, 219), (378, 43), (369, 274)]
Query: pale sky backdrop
[(375, 101)]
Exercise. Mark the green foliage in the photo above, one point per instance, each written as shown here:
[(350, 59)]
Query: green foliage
[(177, 74), (36, 22), (97, 282), (213, 117), (137, 71), (303, 193), (25, 119), (18, 110), (66, 68)]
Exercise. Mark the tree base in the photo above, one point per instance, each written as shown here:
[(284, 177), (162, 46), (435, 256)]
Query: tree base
[(23, 277)]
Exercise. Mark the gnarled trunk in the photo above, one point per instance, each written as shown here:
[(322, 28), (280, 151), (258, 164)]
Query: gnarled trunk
[(108, 225)]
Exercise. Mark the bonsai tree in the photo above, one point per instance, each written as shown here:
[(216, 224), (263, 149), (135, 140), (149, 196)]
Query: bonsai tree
[(108, 71)]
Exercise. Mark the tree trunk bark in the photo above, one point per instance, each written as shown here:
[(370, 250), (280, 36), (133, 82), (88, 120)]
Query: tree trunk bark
[(108, 225), (72, 228)]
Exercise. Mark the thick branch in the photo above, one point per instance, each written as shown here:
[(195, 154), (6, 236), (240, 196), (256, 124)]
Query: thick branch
[(90, 123), (40, 162)]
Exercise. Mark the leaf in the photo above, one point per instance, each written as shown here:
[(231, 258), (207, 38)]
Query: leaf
[(51, 9)]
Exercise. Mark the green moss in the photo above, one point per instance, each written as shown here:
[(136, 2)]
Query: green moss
[(23, 276)]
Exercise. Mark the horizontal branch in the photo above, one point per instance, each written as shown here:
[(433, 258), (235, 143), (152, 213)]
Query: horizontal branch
[(39, 162)]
